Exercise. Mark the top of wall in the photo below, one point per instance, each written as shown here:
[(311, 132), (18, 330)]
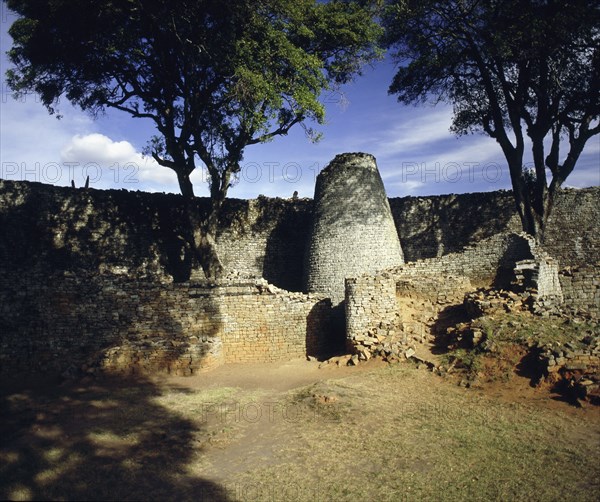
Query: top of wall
[(61, 228), (357, 160), (431, 226), (66, 228)]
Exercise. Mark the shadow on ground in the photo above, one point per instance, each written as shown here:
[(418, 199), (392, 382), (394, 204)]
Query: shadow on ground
[(450, 316), (106, 440)]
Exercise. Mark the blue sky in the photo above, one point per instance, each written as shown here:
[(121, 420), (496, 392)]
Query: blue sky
[(415, 152)]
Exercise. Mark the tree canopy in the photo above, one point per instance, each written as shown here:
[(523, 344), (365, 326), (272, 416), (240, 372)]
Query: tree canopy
[(213, 76), (511, 69)]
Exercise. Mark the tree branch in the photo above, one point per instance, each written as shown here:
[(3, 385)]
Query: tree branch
[(280, 131)]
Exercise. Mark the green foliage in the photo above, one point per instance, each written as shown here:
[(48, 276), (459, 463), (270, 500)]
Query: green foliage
[(510, 69), (214, 76)]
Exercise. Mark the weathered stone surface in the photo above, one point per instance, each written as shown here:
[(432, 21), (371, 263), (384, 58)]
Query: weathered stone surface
[(125, 324), (86, 277), (353, 231)]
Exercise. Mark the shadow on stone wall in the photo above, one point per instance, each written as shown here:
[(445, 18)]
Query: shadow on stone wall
[(110, 440), (66, 229), (318, 330), (284, 253), (69, 229), (517, 248), (173, 245), (437, 225), (74, 323), (337, 331), (165, 333)]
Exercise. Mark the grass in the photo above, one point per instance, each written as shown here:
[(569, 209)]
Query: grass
[(437, 443), (507, 339), (527, 329), (393, 433)]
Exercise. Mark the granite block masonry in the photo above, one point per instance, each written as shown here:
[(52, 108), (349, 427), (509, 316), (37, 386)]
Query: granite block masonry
[(101, 279), (121, 324), (353, 231), (141, 233)]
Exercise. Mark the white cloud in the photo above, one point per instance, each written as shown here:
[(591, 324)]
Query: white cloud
[(119, 164), (31, 140), (98, 148), (422, 130)]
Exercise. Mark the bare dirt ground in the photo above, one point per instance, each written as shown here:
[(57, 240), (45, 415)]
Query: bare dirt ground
[(292, 431)]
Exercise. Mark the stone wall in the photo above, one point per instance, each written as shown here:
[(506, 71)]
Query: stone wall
[(371, 299), (141, 233), (437, 225), (374, 301), (490, 262), (266, 238), (573, 233), (370, 302), (388, 312), (436, 289), (136, 232), (581, 288), (86, 275), (546, 280), (125, 324)]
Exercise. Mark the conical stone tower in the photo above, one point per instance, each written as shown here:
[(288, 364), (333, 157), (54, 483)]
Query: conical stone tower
[(353, 231)]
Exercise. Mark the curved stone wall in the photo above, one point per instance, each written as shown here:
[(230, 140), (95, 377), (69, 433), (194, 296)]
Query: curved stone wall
[(353, 231)]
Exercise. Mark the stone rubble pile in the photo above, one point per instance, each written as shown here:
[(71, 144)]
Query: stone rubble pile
[(575, 364), (389, 314), (397, 340), (389, 342), (489, 300), (485, 301)]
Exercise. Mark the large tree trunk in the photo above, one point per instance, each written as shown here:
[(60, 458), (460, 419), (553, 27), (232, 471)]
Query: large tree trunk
[(185, 185), (204, 241), (521, 192), (533, 217), (202, 233)]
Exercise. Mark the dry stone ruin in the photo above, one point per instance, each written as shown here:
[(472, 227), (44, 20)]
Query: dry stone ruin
[(353, 231), (95, 281)]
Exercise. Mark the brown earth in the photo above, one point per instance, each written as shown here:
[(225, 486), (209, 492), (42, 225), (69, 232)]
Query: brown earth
[(287, 431)]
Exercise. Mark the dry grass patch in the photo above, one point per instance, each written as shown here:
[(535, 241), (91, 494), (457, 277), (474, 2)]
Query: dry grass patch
[(394, 433), (402, 434)]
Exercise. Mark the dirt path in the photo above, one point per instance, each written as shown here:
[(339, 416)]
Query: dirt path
[(271, 431), (264, 427), (281, 376)]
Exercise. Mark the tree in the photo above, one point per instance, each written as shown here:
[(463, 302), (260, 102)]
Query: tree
[(511, 69), (214, 76)]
